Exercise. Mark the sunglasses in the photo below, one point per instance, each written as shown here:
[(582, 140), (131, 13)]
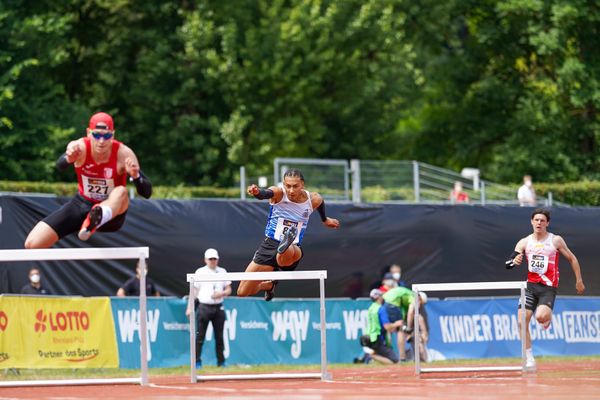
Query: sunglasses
[(99, 135), (213, 258)]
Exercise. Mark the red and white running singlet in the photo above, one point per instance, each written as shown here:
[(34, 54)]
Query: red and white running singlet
[(542, 261), (96, 181)]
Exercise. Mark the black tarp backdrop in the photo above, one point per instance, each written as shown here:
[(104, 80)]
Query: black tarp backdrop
[(432, 244)]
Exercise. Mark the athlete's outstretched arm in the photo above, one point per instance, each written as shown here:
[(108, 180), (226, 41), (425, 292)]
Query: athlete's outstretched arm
[(561, 245), (319, 204), (273, 193), (75, 151)]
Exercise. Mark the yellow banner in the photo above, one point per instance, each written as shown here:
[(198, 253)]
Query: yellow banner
[(57, 332)]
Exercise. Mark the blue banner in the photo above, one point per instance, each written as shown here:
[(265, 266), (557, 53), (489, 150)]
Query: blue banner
[(480, 328), (168, 331), (288, 331)]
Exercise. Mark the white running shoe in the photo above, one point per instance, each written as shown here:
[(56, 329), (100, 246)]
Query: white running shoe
[(530, 364)]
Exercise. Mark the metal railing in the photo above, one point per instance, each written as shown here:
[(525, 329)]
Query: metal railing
[(395, 181)]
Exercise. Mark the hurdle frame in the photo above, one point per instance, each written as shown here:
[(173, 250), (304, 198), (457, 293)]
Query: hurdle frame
[(321, 275), (431, 287), (91, 253)]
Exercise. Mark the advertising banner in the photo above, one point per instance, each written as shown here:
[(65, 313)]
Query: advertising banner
[(288, 331), (256, 332), (168, 335), (479, 328), (56, 332)]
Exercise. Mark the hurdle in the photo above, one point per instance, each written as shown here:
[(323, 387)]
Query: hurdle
[(260, 276), (106, 253), (430, 287)]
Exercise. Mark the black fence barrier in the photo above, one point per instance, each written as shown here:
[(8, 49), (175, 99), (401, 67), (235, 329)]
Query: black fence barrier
[(460, 243)]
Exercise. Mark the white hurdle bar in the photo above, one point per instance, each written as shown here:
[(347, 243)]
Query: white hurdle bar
[(444, 287), (259, 276), (92, 253)]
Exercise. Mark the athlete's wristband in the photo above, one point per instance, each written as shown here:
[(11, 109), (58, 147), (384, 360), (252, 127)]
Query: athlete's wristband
[(62, 163), (142, 185), (321, 210), (510, 263), (264, 194)]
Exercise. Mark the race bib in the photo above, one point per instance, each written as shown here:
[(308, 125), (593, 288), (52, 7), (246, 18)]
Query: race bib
[(283, 225), (97, 188), (538, 264)]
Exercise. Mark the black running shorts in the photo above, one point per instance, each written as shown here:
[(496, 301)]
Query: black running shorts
[(536, 294), (267, 255), (70, 216)]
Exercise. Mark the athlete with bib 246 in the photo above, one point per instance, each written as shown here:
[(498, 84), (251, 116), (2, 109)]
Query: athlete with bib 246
[(102, 165), (291, 207), (541, 252)]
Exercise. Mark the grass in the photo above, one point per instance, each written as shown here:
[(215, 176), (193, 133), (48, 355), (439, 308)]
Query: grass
[(63, 373)]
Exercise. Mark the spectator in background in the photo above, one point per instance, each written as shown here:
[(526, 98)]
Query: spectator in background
[(379, 328), (132, 286), (388, 282), (210, 309), (399, 303), (526, 193), (396, 271), (35, 283), (423, 329), (457, 195)]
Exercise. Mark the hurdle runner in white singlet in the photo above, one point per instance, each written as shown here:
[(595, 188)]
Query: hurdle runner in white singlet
[(541, 250), (291, 207)]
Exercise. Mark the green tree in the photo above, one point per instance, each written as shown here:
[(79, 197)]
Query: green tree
[(35, 111), (306, 79), (199, 88), (511, 87)]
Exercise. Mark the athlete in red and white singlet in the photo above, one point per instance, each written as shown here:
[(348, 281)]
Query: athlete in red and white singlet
[(102, 165), (96, 181), (541, 250), (542, 260)]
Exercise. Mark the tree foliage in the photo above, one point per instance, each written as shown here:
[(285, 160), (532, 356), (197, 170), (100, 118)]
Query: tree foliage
[(512, 88), (198, 89)]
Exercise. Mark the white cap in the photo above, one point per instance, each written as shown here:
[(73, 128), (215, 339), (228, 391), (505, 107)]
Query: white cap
[(211, 253), (423, 297), (375, 294)]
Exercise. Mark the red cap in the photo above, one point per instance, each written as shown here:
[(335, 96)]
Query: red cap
[(101, 121)]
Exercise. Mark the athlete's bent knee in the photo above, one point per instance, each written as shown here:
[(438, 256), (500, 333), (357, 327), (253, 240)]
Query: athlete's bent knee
[(288, 258), (242, 292), (120, 192), (29, 244)]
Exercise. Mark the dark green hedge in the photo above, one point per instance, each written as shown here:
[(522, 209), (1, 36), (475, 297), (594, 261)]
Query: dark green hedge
[(584, 193), (159, 192)]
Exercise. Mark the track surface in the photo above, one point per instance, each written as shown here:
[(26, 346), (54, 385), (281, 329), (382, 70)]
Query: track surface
[(553, 380)]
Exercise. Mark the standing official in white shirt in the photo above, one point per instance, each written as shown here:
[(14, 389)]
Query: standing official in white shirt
[(210, 308)]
